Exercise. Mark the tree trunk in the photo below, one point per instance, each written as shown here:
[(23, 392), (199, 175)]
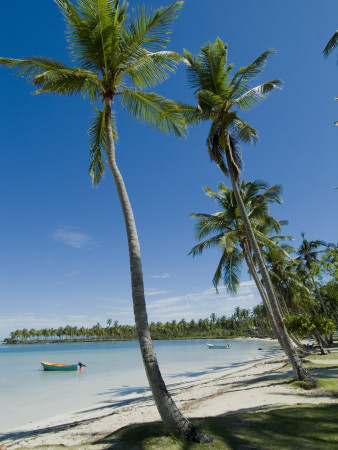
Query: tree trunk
[(300, 371), (172, 418)]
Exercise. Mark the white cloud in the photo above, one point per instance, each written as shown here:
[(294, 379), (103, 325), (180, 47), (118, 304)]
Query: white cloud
[(201, 304), (164, 275), (69, 236), (154, 291)]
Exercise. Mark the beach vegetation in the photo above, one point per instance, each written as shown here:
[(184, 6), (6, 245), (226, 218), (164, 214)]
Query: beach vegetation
[(221, 94), (314, 428), (243, 322)]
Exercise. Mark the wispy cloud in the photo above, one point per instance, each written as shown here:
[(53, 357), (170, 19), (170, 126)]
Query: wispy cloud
[(154, 291), (201, 304), (164, 275), (70, 236)]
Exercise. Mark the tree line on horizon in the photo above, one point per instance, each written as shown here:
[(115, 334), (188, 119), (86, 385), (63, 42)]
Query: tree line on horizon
[(118, 55), (242, 322)]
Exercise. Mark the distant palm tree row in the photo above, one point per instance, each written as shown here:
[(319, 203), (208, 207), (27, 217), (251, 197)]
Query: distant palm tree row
[(242, 322)]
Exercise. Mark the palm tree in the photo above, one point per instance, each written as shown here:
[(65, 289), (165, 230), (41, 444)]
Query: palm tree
[(219, 97), (308, 253), (231, 237), (117, 56)]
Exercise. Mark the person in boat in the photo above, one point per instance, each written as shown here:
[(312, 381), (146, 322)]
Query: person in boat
[(81, 365)]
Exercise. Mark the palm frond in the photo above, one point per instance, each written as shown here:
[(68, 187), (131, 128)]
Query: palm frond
[(229, 270), (155, 110), (208, 101), (69, 82), (93, 32), (255, 95), (192, 114), (98, 141), (148, 30), (30, 67), (243, 131), (248, 73), (331, 45), (53, 76), (209, 70), (151, 68), (199, 248)]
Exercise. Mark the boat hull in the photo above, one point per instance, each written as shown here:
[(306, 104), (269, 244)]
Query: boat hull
[(215, 347), (51, 367)]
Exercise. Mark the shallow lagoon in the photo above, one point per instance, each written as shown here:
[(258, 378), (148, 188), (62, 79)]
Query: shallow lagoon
[(114, 373)]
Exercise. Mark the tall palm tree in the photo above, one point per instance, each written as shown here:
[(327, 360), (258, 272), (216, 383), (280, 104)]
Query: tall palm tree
[(308, 254), (220, 95), (231, 237), (117, 56)]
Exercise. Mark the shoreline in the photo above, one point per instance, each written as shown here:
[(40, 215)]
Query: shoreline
[(255, 385), (74, 341)]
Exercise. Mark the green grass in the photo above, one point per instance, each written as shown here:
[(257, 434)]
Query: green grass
[(333, 356), (301, 427)]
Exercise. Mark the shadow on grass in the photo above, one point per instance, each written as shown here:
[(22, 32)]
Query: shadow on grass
[(301, 427)]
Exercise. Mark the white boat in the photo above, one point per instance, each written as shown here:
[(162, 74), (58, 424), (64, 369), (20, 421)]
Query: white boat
[(215, 346)]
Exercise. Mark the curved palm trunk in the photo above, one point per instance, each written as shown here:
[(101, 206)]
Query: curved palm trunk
[(172, 418), (282, 335), (262, 292)]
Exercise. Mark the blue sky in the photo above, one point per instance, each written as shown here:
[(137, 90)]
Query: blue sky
[(64, 256)]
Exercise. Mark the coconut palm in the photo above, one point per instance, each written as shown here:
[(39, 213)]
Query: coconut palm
[(229, 234), (308, 254), (117, 55), (220, 95)]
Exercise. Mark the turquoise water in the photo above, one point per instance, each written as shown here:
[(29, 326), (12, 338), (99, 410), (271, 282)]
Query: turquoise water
[(114, 373)]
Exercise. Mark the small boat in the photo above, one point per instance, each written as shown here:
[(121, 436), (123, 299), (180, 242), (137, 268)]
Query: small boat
[(215, 346), (61, 367)]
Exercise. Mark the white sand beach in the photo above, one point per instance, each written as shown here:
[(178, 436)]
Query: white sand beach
[(248, 387)]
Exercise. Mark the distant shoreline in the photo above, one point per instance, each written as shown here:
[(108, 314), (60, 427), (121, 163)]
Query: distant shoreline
[(171, 338)]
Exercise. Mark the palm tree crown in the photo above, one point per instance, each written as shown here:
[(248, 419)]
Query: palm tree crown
[(116, 55), (220, 95), (228, 231)]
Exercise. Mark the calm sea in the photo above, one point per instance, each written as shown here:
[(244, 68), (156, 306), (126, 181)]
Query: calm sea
[(114, 373)]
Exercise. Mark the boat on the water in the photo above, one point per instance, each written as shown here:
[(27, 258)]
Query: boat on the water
[(61, 367), (215, 346)]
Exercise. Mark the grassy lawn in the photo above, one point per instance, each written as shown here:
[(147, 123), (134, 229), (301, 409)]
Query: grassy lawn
[(301, 427)]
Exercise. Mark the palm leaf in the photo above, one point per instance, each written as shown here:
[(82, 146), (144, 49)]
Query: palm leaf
[(255, 95), (151, 68), (92, 30), (331, 45), (248, 73), (98, 141), (229, 269), (148, 30), (199, 248), (243, 132), (155, 110), (192, 114)]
